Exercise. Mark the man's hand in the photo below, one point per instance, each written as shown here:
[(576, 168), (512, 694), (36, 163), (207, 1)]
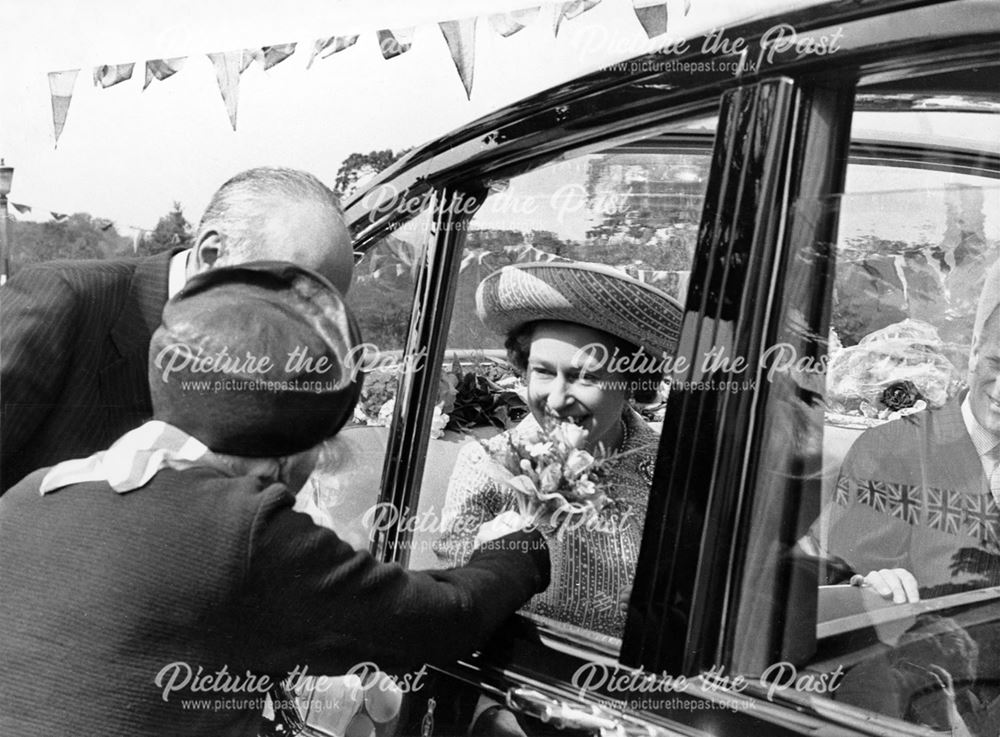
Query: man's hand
[(503, 524), (897, 584)]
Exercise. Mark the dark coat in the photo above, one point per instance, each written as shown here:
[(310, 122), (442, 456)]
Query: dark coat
[(75, 337), (107, 597)]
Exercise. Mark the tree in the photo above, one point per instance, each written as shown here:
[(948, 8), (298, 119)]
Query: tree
[(358, 168), (172, 231), (78, 236)]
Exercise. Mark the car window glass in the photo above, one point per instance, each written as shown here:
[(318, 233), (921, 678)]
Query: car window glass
[(892, 436), (635, 208), (343, 491), (345, 486)]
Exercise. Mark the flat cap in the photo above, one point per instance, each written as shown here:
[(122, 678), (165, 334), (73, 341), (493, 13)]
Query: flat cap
[(257, 360)]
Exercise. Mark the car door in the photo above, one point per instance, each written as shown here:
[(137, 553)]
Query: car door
[(724, 631)]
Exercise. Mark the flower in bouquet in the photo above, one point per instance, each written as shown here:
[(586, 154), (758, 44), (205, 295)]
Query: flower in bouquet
[(556, 482), (901, 395), (438, 420)]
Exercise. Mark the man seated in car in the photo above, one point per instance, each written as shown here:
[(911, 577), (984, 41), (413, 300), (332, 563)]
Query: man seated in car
[(915, 510)]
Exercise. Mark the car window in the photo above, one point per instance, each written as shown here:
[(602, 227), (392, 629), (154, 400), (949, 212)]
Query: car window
[(343, 491), (635, 208), (888, 440)]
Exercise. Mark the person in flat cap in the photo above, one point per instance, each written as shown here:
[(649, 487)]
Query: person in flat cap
[(916, 512), (586, 339), (76, 332), (164, 586)]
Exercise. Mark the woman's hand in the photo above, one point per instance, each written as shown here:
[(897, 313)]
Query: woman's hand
[(623, 597)]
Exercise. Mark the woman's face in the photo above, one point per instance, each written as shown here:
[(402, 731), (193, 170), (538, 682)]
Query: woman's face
[(567, 382)]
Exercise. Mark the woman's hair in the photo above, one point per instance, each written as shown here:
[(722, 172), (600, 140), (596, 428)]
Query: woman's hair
[(642, 385)]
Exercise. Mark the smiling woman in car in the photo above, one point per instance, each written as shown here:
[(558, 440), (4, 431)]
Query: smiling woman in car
[(585, 338)]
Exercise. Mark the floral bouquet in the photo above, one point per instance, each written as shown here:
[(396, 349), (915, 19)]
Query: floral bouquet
[(556, 482)]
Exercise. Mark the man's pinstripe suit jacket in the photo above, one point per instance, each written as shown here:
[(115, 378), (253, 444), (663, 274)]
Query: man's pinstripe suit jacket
[(74, 338)]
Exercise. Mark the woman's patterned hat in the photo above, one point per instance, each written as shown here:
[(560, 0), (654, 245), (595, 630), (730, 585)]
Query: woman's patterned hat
[(589, 294)]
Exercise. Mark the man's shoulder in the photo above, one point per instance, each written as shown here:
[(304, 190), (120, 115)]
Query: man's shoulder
[(907, 440), (186, 497), (92, 284), (79, 271), (946, 419)]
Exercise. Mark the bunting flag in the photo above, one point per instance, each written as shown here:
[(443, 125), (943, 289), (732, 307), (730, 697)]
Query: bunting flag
[(58, 216), (394, 43), (460, 35), (61, 89), (331, 45), (277, 54), (227, 72), (162, 68), (249, 56), (507, 24), (652, 14), (103, 223), (108, 75), (21, 208), (570, 10)]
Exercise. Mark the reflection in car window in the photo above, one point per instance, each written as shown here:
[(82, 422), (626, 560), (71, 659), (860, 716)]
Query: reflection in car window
[(635, 209), (343, 491), (347, 480), (907, 538)]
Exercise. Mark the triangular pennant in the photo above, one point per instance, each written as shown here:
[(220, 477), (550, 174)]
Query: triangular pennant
[(331, 45), (108, 75), (58, 216), (570, 10), (396, 42), (21, 208), (249, 56), (460, 35), (652, 14), (162, 68), (227, 72), (507, 24), (277, 54), (61, 88)]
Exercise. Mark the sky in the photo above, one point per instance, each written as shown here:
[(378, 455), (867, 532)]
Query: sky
[(127, 154)]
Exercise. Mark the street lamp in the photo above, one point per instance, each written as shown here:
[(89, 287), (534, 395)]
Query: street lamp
[(6, 176)]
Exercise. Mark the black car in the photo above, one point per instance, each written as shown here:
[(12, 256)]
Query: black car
[(823, 200)]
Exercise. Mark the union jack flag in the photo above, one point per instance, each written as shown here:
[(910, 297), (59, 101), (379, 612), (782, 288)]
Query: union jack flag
[(842, 495), (981, 517), (903, 502), (878, 495), (944, 510)]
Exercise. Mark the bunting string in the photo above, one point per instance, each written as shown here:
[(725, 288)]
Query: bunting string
[(459, 36)]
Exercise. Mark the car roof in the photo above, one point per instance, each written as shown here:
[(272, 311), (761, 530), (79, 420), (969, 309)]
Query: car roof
[(563, 111)]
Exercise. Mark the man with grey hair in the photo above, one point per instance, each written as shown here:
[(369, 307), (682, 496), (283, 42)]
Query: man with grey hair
[(75, 333), (916, 510), (274, 214)]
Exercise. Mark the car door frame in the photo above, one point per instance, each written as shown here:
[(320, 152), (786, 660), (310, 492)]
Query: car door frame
[(807, 97)]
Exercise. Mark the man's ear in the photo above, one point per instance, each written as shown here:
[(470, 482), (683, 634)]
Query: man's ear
[(207, 250)]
